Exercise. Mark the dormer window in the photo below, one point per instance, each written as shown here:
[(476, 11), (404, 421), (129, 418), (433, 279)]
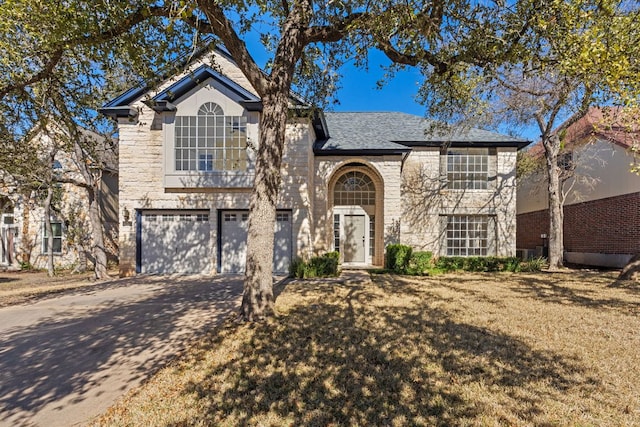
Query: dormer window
[(211, 141)]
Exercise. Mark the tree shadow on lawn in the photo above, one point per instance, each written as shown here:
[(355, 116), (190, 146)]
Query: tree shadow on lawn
[(357, 361), (554, 290), (73, 351)]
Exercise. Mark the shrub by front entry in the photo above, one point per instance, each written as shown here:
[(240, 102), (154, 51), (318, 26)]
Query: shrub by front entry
[(398, 257), (320, 266)]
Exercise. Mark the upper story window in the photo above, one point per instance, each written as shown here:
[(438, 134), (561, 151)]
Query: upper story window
[(467, 168), (211, 141)]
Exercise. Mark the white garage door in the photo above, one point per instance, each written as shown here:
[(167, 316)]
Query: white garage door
[(175, 242), (233, 241)]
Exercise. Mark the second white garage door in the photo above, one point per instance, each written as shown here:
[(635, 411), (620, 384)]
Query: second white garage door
[(233, 241)]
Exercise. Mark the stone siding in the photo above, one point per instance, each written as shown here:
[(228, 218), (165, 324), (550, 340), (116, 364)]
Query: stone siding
[(426, 200)]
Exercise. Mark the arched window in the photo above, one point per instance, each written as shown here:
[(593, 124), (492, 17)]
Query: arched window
[(211, 141), (354, 188), (210, 109)]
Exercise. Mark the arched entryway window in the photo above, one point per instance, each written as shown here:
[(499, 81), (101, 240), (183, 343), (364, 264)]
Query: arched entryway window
[(354, 188), (356, 213)]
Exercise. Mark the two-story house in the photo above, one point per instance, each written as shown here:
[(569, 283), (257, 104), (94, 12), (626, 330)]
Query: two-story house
[(351, 182), (23, 236)]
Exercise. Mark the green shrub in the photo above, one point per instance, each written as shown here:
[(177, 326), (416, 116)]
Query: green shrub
[(26, 265), (478, 264), (511, 264), (321, 266), (297, 268), (534, 264), (398, 257), (448, 263), (420, 263)]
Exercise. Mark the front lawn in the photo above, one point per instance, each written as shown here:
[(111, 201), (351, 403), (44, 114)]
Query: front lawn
[(457, 349)]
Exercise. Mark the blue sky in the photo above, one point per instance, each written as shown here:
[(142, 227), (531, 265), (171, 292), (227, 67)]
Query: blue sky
[(359, 92)]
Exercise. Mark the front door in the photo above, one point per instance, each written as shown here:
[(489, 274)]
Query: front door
[(354, 238)]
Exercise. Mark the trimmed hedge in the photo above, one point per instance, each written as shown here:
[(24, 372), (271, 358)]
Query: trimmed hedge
[(402, 260), (320, 266), (478, 264), (420, 263), (398, 257)]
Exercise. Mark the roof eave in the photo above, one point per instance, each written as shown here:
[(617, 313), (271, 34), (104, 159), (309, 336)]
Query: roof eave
[(120, 111), (361, 152), (160, 106), (517, 144)]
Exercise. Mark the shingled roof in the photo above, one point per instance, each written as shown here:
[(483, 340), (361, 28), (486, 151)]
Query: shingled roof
[(395, 133)]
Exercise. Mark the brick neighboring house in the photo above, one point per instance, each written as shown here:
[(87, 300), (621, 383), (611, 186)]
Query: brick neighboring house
[(602, 198), (22, 232), (351, 182)]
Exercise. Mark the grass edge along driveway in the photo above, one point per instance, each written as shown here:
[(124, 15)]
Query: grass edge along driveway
[(457, 349)]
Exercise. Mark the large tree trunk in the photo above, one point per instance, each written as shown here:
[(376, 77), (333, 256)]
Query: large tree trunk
[(97, 234), (632, 270), (257, 300), (556, 211), (49, 231), (95, 214)]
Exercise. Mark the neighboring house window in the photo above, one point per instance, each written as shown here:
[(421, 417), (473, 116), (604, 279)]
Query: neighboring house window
[(354, 188), (56, 228), (211, 141), (565, 161), (467, 235), (467, 168)]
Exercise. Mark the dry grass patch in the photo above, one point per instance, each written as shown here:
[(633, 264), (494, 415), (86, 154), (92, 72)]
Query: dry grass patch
[(466, 349), (18, 287)]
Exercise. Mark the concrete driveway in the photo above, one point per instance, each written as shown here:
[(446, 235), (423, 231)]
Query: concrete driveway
[(66, 359)]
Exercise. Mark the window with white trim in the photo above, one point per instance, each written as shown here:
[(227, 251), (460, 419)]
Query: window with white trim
[(56, 230), (210, 141), (336, 232), (372, 235), (468, 235), (467, 168), (354, 188)]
